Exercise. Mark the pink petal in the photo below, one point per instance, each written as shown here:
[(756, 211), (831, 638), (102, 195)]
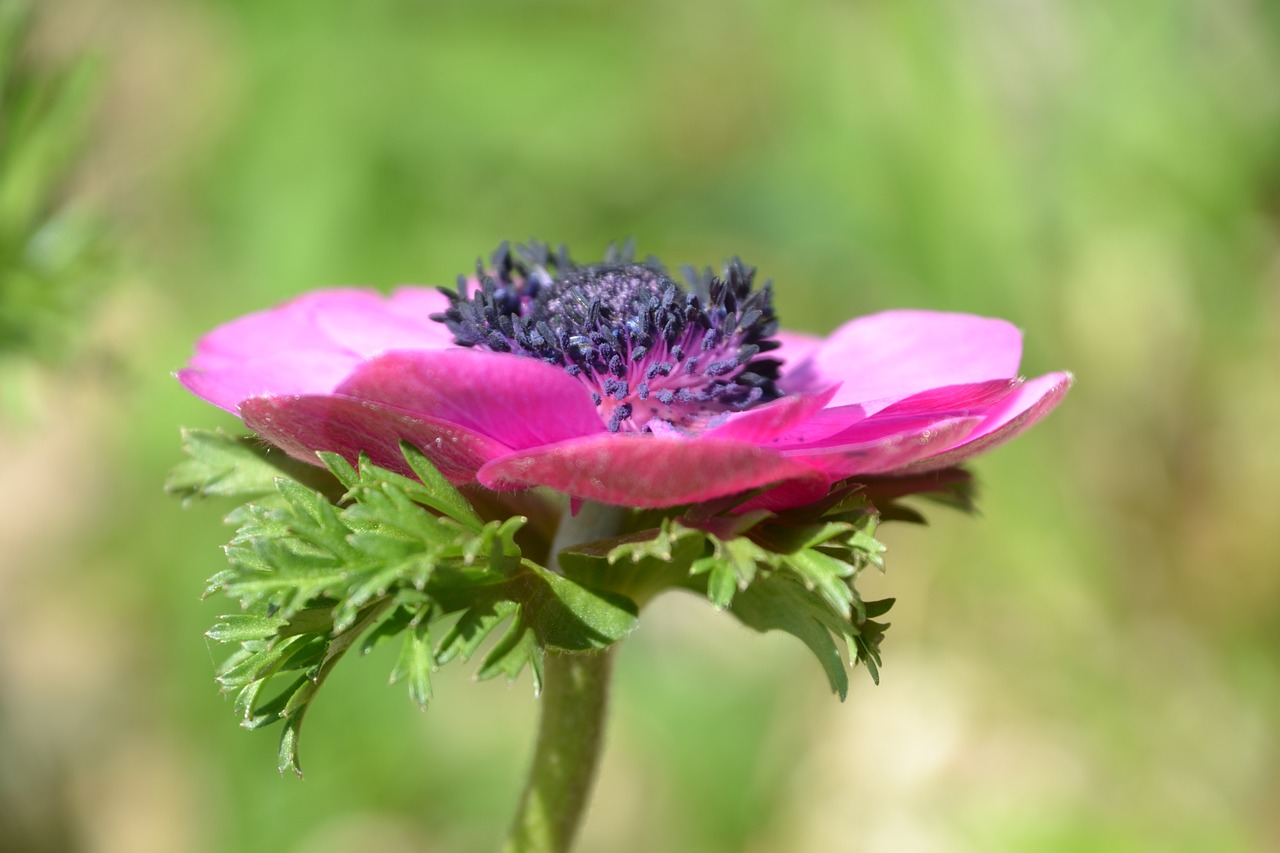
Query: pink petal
[(796, 347), (1031, 402), (517, 401), (762, 423), (889, 356), (799, 374), (376, 324), (887, 446), (307, 345), (298, 371), (289, 326), (822, 425), (642, 471), (788, 494), (417, 302), (852, 425), (967, 399), (302, 425)]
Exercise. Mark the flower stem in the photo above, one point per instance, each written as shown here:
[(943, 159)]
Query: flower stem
[(575, 691), (570, 736)]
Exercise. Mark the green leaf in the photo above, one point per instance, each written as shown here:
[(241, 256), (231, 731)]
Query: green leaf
[(391, 556), (416, 661), (471, 629), (220, 465), (443, 496), (243, 627), (778, 603), (375, 555), (570, 616), (226, 466)]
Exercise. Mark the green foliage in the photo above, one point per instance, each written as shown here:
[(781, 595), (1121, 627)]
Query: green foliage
[(391, 557), (793, 572), (51, 260), (326, 561), (223, 466)]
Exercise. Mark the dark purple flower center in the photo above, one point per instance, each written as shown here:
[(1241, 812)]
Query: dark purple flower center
[(647, 348)]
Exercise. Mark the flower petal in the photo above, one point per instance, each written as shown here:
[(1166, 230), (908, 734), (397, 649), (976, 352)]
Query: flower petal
[(787, 494), (302, 371), (967, 399), (795, 347), (517, 401), (307, 345), (1031, 402), (643, 471), (376, 323), (850, 425), (889, 356), (763, 423), (799, 374), (887, 446), (302, 425)]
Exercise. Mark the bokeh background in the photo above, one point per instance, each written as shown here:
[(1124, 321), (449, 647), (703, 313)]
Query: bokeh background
[(1091, 664)]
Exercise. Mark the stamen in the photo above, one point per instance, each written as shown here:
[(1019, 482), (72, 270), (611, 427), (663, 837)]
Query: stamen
[(625, 329)]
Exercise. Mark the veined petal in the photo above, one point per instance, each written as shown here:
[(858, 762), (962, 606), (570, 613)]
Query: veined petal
[(517, 401), (643, 471), (301, 425), (892, 355), (1028, 404), (968, 399), (888, 446), (840, 425), (763, 423)]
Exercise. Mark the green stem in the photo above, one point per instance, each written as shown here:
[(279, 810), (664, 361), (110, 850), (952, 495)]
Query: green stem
[(570, 737), (575, 691)]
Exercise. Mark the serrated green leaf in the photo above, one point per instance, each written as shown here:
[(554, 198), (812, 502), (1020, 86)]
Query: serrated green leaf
[(287, 756), (268, 713), (722, 582), (340, 468), (575, 618), (471, 629), (660, 544), (634, 566), (299, 699), (826, 575), (241, 627), (775, 603), (877, 608), (415, 662), (511, 653), (396, 620), (221, 465), (444, 497)]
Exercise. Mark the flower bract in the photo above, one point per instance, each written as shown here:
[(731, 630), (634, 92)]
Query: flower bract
[(616, 383)]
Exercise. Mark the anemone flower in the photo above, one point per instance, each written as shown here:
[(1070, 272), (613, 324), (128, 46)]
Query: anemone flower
[(612, 382)]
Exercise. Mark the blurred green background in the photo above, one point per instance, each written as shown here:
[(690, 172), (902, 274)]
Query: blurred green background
[(1092, 664)]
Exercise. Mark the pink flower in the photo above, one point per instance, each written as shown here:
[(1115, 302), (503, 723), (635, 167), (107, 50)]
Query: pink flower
[(612, 383)]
